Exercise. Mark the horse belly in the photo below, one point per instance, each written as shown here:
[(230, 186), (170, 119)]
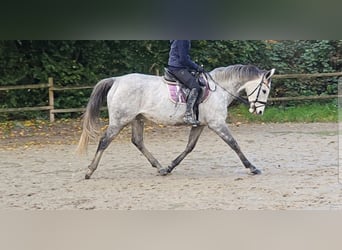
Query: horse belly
[(165, 113)]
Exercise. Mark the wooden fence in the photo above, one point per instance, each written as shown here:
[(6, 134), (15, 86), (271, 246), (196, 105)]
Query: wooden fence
[(51, 107), (52, 88)]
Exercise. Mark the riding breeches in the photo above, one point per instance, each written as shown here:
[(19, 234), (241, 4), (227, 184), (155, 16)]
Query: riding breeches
[(185, 77)]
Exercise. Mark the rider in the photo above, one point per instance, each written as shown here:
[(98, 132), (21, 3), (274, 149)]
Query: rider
[(180, 65)]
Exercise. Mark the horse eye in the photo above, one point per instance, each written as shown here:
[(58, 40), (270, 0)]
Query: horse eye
[(264, 91)]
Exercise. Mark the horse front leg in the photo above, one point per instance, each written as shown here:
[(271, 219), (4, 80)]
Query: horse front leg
[(138, 141), (223, 131), (195, 133)]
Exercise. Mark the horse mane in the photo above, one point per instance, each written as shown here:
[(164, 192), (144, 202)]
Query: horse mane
[(236, 73)]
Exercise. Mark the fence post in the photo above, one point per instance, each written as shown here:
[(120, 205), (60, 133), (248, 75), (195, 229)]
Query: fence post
[(51, 100)]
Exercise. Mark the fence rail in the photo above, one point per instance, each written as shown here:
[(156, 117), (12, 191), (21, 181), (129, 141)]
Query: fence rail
[(314, 75), (52, 88)]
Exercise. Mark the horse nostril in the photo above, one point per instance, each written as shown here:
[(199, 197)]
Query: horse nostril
[(264, 91), (260, 112)]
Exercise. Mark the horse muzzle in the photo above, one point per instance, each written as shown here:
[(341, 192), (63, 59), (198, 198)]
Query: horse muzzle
[(253, 109)]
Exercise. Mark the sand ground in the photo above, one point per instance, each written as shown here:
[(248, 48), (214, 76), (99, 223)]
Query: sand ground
[(299, 164)]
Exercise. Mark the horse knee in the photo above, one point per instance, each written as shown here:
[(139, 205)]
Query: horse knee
[(138, 142), (189, 149)]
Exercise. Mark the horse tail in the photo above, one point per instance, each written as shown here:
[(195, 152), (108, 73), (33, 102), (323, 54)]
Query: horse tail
[(90, 121)]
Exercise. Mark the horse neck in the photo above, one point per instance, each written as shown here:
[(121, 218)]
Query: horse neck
[(231, 85)]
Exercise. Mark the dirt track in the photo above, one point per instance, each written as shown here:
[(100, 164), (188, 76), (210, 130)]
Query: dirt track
[(299, 164)]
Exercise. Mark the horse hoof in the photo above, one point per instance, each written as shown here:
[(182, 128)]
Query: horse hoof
[(163, 171), (87, 177), (255, 171)]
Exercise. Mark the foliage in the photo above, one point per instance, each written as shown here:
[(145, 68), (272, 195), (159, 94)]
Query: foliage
[(303, 56), (220, 53), (83, 62)]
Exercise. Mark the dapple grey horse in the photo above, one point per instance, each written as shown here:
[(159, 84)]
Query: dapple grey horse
[(132, 98)]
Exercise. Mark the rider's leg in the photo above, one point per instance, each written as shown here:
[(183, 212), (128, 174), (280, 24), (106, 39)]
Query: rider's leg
[(185, 77)]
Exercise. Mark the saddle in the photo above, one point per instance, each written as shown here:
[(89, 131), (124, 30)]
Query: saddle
[(178, 92)]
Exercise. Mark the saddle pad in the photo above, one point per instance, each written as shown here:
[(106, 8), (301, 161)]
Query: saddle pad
[(176, 94)]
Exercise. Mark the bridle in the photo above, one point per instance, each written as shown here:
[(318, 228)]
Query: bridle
[(258, 88)]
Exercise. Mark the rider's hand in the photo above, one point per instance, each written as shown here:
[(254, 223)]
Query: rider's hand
[(200, 69)]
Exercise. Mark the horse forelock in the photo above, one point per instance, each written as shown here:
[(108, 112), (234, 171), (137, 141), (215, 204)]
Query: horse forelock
[(238, 72)]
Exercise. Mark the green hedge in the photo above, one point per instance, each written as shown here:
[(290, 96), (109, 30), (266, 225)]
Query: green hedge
[(84, 62)]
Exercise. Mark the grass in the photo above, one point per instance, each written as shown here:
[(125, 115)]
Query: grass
[(314, 112), (310, 112)]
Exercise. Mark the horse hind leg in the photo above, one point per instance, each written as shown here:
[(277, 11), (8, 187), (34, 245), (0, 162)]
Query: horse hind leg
[(138, 141), (105, 140)]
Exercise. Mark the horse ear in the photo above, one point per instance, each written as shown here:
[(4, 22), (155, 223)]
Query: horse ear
[(269, 74)]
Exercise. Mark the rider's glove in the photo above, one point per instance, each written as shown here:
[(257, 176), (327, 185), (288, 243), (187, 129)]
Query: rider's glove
[(200, 69)]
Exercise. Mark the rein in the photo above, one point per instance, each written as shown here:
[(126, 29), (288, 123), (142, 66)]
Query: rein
[(241, 99)]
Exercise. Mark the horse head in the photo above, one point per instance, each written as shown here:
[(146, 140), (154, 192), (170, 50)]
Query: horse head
[(257, 91)]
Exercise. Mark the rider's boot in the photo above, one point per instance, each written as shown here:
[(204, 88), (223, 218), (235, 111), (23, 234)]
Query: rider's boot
[(189, 113)]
